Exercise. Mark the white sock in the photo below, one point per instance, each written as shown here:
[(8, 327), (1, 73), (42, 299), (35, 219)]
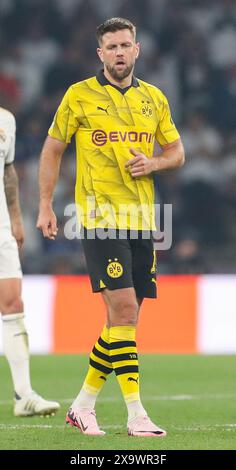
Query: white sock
[(84, 400), (135, 409), (15, 346)]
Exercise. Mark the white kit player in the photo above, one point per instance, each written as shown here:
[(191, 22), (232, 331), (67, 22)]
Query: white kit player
[(15, 338)]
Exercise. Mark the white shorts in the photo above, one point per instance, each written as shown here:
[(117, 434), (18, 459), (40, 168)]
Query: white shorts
[(9, 258)]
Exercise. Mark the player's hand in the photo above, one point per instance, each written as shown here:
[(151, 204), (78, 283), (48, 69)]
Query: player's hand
[(140, 165), (18, 232), (47, 222)]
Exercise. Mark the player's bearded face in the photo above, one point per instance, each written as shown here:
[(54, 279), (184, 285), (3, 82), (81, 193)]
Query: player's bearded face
[(118, 52), (119, 74)]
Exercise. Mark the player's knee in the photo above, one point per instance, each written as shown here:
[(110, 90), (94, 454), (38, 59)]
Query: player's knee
[(126, 312), (13, 304)]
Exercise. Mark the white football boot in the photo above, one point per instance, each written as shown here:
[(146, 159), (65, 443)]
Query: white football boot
[(34, 405)]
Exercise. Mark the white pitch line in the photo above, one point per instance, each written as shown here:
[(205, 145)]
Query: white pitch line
[(4, 426), (196, 428), (206, 427), (29, 426), (183, 397)]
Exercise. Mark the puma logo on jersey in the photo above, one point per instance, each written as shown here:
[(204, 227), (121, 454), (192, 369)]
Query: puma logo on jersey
[(103, 109)]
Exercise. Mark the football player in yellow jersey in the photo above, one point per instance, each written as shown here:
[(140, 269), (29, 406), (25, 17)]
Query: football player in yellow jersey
[(115, 118)]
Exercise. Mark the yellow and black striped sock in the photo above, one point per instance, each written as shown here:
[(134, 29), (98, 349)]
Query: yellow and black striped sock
[(99, 363), (124, 359), (99, 368)]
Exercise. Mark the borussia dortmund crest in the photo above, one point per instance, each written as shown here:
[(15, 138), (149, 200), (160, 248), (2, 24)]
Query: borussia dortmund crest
[(146, 109), (114, 268)]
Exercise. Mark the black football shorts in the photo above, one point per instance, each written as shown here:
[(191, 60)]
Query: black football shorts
[(116, 263)]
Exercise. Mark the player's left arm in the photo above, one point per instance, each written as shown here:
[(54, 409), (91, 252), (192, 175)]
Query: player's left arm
[(171, 157), (13, 203)]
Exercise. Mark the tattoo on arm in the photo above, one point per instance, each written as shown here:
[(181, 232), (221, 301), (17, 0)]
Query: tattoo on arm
[(11, 191)]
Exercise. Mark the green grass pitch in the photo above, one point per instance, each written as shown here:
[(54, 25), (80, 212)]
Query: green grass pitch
[(192, 397)]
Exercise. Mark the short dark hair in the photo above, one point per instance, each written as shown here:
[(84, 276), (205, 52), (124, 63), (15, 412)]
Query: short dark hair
[(114, 24)]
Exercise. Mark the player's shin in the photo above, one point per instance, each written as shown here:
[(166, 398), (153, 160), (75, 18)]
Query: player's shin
[(124, 359), (99, 369), (15, 346)]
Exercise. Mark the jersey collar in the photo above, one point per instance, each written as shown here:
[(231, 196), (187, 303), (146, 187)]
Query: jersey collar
[(103, 81)]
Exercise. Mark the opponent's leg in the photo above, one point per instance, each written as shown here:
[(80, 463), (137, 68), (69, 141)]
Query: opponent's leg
[(16, 349)]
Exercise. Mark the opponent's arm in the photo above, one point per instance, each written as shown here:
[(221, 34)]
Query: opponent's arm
[(13, 203), (49, 168), (171, 157)]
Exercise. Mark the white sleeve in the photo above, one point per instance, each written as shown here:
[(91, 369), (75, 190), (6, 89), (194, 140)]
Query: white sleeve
[(11, 138)]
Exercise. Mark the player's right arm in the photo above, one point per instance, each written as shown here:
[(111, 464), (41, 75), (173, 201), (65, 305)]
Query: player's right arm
[(49, 168), (63, 127)]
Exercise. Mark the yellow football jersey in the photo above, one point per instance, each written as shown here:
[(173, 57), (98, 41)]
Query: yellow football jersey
[(107, 121)]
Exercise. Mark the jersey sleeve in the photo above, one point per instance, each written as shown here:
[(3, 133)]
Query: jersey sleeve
[(166, 131), (65, 122), (10, 130)]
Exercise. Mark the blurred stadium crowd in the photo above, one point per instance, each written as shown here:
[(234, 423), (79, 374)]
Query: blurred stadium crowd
[(189, 51)]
